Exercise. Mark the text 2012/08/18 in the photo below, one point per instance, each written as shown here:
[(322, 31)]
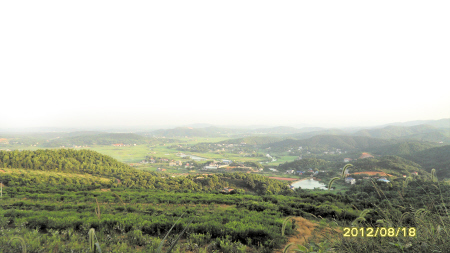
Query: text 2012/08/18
[(379, 231)]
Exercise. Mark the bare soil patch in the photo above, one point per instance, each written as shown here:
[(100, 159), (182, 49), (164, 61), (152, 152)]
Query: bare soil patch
[(3, 171), (307, 231)]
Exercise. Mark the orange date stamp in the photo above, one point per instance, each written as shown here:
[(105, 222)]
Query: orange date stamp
[(380, 232)]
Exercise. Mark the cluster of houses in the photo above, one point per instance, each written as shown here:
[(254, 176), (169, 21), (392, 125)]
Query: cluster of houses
[(175, 163), (350, 180), (214, 165), (300, 172), (338, 151), (121, 145)]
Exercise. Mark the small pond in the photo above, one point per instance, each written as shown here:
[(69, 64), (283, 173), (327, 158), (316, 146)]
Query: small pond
[(309, 184)]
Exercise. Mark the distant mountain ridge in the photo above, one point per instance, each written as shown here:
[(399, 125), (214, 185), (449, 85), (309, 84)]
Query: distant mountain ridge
[(440, 123), (97, 139), (213, 131), (395, 131)]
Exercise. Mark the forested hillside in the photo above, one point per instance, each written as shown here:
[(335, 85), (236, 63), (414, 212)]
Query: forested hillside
[(305, 164), (68, 162), (417, 132), (350, 143), (434, 158), (395, 131), (309, 134), (393, 165), (403, 148)]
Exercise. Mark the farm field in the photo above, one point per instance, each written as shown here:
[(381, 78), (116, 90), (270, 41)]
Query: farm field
[(283, 159)]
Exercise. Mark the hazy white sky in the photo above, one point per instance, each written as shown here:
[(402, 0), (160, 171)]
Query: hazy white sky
[(129, 63)]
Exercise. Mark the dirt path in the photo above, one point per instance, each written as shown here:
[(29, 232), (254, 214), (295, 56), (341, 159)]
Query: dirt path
[(305, 229)]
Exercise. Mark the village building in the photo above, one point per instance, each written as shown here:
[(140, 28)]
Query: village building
[(383, 179), (210, 167), (227, 190), (350, 180), (227, 161)]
